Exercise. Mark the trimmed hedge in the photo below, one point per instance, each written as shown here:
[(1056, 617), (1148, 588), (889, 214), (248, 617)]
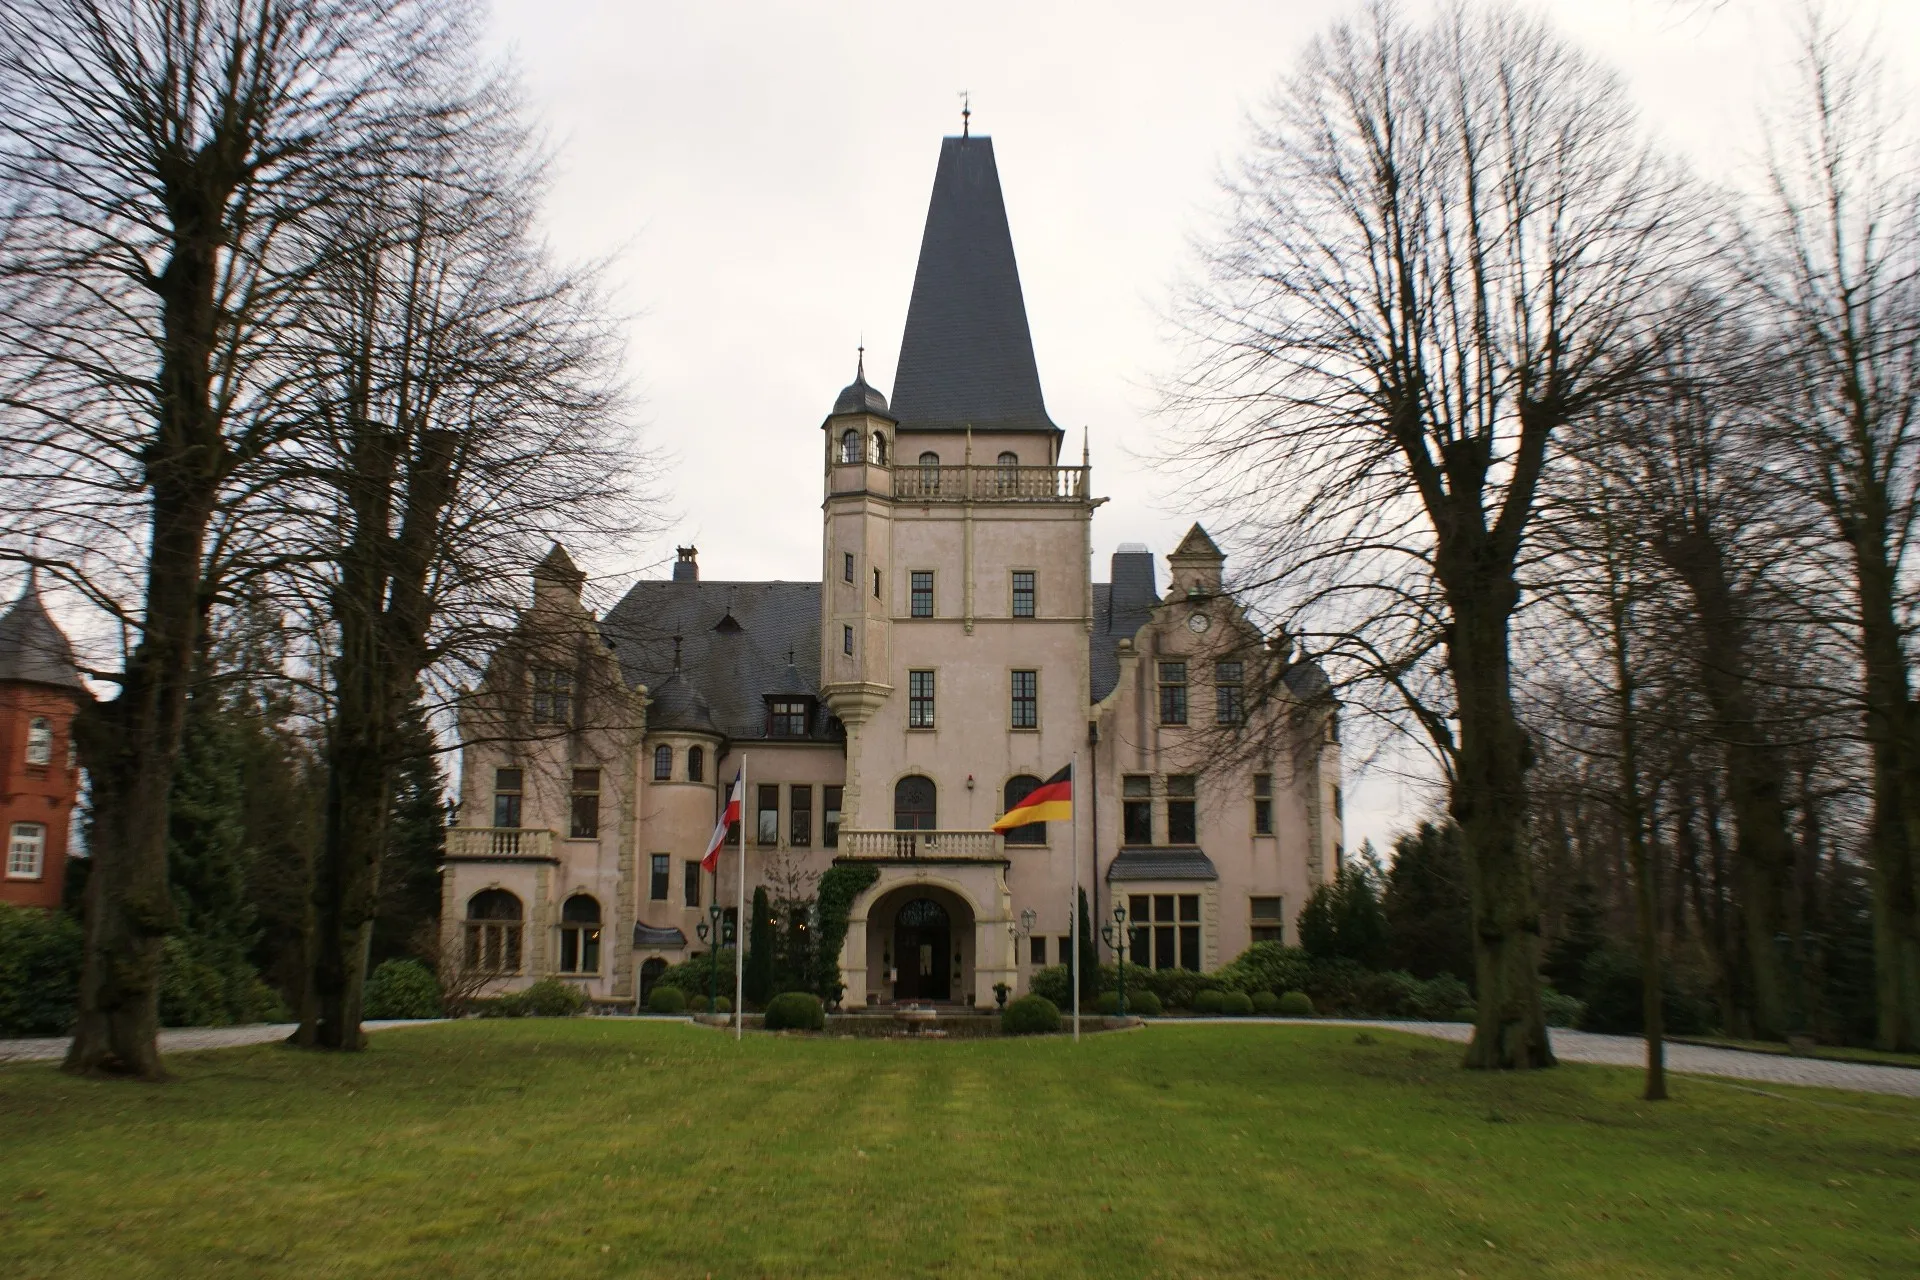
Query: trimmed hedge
[(1030, 1015), (39, 971), (1265, 1002), (1295, 1004), (796, 1011), (664, 999), (1236, 1004), (1144, 1003), (552, 998), (402, 989), (1210, 1002)]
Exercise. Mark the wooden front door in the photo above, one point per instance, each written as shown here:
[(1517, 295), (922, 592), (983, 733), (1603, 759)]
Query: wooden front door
[(922, 952)]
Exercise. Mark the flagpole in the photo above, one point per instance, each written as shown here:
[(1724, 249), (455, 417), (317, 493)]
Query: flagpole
[(740, 914), (1073, 899)]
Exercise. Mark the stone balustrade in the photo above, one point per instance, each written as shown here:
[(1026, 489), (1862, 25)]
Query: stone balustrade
[(983, 845), (930, 483), (499, 842)]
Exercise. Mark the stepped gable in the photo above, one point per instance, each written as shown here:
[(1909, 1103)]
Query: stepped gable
[(966, 355), (33, 649), (735, 641)]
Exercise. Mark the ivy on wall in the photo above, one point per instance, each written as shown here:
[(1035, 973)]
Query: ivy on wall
[(841, 884)]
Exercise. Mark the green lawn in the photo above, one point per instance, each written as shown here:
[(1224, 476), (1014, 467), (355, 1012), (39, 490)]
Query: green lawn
[(601, 1147)]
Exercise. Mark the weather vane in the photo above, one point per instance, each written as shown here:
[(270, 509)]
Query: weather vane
[(966, 111)]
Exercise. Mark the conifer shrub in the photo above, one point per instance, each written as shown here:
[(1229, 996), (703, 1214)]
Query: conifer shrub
[(1296, 1004), (1030, 1015), (402, 989), (796, 1011), (1236, 1004), (1210, 1003), (667, 1000), (1266, 1003)]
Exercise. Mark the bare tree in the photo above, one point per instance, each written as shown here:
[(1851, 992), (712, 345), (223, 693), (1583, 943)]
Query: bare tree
[(158, 154), (1835, 257), (1443, 251)]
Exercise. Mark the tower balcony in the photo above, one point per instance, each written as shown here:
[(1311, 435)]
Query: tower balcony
[(916, 482), (897, 846)]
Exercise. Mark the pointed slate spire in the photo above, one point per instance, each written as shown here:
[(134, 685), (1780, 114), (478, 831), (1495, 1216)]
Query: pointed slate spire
[(966, 358), (33, 649)]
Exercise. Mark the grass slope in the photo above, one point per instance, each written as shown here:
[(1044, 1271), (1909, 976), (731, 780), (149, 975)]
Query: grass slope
[(597, 1147)]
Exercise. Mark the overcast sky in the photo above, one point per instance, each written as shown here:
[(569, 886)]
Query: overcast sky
[(760, 174)]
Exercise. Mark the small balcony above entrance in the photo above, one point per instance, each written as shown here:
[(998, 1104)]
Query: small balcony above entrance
[(892, 846), (499, 844)]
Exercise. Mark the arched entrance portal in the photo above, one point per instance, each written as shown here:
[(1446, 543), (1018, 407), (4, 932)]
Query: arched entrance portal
[(923, 951)]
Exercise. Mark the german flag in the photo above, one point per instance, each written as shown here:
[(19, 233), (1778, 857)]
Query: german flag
[(1051, 801)]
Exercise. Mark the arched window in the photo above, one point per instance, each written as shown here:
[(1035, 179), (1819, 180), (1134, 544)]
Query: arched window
[(929, 472), (1007, 479), (40, 741), (650, 973), (877, 449), (849, 445), (914, 805), (1018, 788), (493, 932), (696, 765), (580, 935), (662, 763)]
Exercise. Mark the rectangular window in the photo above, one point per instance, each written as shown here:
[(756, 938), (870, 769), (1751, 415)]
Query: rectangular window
[(1023, 593), (1066, 949), (1026, 700), (586, 804), (1229, 692), (1268, 924), (1339, 806), (506, 797), (800, 816), (919, 699), (1136, 810), (691, 888), (1173, 693), (1171, 938), (847, 571), (846, 640), (661, 869), (1190, 931), (26, 851), (1037, 950), (921, 592), (768, 829), (876, 584), (787, 719), (1182, 827), (1140, 921), (1263, 804), (552, 697)]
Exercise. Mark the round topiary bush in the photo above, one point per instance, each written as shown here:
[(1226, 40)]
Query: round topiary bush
[(667, 1000), (552, 998), (722, 1004), (1210, 1002), (796, 1011), (1108, 1004), (1144, 1003), (1266, 1003), (1295, 1004), (1030, 1016), (1236, 1004), (402, 989)]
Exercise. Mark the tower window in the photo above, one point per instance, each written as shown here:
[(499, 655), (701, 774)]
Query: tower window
[(876, 584), (877, 453), (921, 593), (919, 699), (26, 851), (846, 639), (850, 445), (40, 741), (1023, 593), (1026, 700), (663, 763), (690, 876), (696, 765), (659, 871), (846, 569)]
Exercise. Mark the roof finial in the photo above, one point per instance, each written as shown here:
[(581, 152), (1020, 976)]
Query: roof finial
[(966, 111), (860, 366)]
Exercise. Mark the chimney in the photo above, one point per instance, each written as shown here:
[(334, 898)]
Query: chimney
[(687, 567)]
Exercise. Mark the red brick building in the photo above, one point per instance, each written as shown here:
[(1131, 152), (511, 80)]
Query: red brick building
[(40, 690)]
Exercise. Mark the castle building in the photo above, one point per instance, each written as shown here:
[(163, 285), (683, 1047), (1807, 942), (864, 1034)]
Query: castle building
[(955, 652), (40, 693)]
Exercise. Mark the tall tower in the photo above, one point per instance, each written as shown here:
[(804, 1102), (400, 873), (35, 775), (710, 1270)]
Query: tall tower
[(40, 693)]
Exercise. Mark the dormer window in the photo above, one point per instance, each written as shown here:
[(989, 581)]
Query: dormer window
[(850, 445), (787, 717)]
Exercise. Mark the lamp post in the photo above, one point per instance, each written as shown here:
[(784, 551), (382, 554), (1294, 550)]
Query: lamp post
[(1117, 936), (706, 931), (1024, 929)]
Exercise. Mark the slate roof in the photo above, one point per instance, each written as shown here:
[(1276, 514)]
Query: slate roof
[(1120, 608), (737, 641), (966, 356), (860, 396), (1156, 863), (33, 649)]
